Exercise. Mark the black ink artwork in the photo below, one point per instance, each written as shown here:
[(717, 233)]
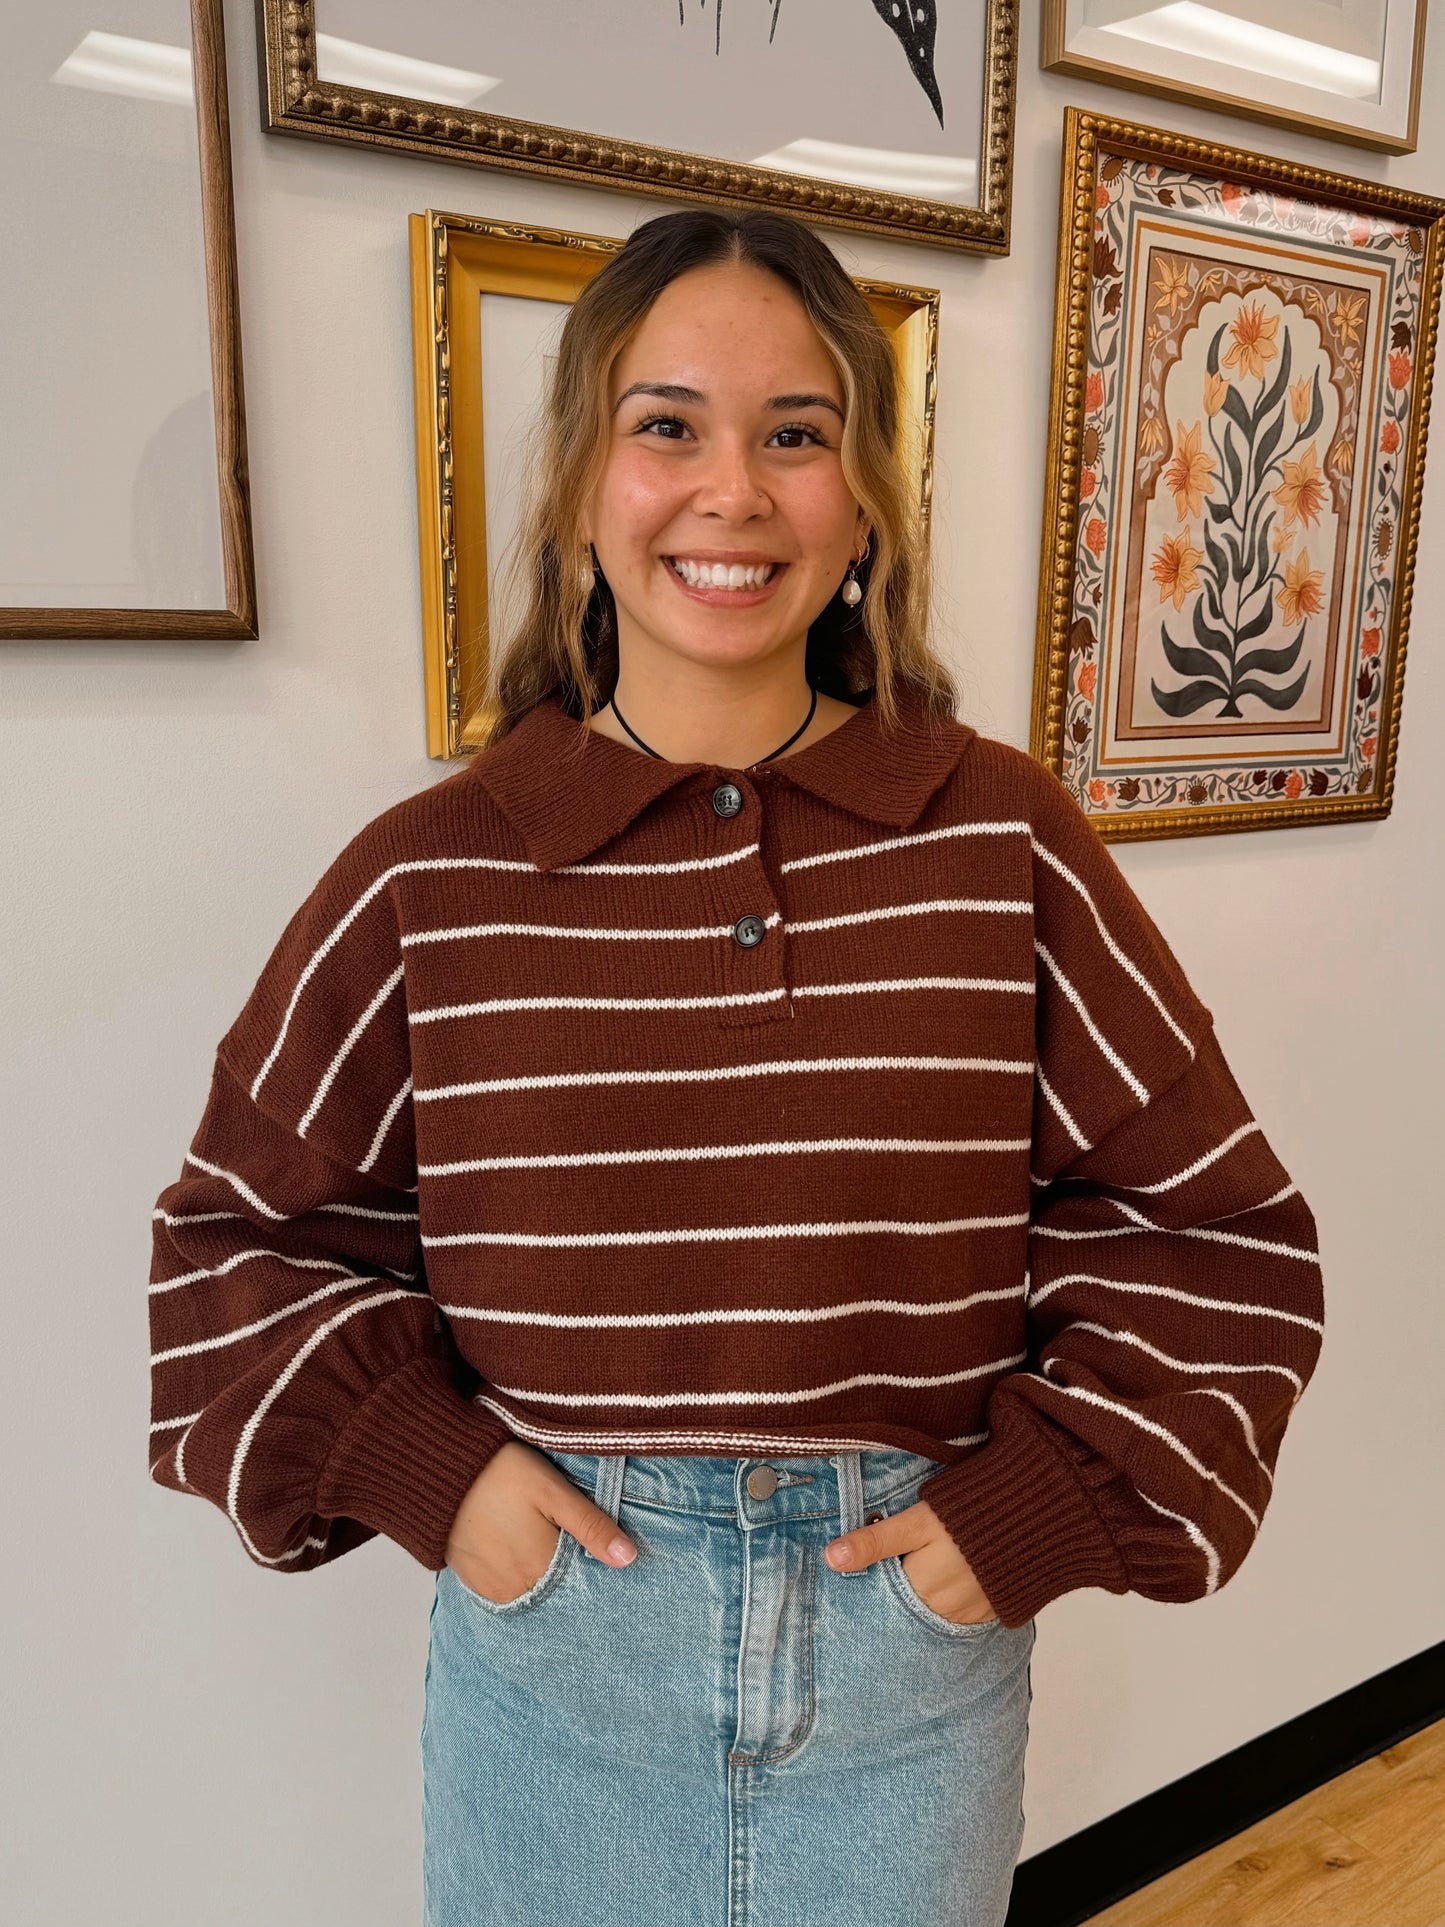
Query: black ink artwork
[(913, 22)]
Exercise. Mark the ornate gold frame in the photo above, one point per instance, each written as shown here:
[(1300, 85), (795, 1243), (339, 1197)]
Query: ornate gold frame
[(294, 101), (1084, 135), (1055, 60), (237, 620), (455, 259)]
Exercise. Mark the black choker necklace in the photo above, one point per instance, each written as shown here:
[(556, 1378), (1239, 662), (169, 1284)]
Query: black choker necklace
[(762, 759)]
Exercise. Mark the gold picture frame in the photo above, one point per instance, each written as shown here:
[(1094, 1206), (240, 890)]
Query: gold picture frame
[(456, 259), (296, 98), (1192, 280), (1320, 87)]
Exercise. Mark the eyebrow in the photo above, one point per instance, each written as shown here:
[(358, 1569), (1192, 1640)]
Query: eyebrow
[(674, 391)]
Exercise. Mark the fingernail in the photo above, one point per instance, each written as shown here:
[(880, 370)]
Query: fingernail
[(839, 1556), (622, 1552)]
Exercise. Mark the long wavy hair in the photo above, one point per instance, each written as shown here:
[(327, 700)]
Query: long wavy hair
[(561, 635)]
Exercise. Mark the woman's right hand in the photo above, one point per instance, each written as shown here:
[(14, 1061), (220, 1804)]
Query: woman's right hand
[(503, 1539)]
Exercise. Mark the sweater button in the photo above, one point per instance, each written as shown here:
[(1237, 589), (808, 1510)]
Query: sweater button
[(749, 930), (727, 799)]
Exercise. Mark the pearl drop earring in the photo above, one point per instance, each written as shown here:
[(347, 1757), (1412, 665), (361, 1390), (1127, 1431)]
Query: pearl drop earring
[(852, 593)]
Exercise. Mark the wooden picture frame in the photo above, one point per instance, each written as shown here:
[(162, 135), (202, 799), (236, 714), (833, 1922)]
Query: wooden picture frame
[(1228, 553), (1357, 79), (458, 259), (553, 62), (148, 103)]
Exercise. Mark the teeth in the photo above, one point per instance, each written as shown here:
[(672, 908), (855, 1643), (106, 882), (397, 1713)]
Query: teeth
[(722, 575)]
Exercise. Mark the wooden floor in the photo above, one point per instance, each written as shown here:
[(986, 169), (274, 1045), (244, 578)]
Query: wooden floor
[(1365, 1850)]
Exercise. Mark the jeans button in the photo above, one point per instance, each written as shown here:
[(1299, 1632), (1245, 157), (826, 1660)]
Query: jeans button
[(749, 930), (761, 1482), (874, 1518), (727, 799)]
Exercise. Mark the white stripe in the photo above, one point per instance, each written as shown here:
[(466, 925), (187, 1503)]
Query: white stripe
[(565, 1079), (591, 933), (274, 1391), (234, 1336), (1239, 1238), (193, 1217), (1125, 962), (601, 1240), (1168, 1358), (1160, 1432), (486, 1006), (167, 1424), (658, 1401), (1057, 1104), (381, 1130), (365, 1211), (1211, 1557), (347, 1046), (1000, 828), (241, 1257), (1169, 1291), (688, 1153), (734, 1444), (1201, 1163), (910, 910), (763, 1315), (1098, 1036), (586, 869), (237, 1184)]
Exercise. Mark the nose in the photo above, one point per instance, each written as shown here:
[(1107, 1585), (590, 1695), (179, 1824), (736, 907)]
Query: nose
[(729, 485)]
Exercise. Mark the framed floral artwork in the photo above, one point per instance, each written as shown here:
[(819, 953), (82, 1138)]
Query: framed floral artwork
[(488, 299), (1243, 352), (892, 117)]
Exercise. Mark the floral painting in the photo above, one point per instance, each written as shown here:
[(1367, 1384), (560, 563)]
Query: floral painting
[(1253, 405)]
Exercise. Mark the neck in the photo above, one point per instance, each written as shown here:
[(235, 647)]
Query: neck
[(731, 718)]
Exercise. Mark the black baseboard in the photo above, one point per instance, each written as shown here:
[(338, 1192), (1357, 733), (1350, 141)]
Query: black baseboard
[(1081, 1876)]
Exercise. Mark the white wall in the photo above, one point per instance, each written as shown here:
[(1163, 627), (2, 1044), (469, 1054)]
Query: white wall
[(190, 1739)]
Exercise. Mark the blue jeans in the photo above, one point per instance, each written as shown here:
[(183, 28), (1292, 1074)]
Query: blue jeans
[(725, 1733)]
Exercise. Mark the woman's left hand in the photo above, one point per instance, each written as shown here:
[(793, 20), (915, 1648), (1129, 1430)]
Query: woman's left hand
[(932, 1563)]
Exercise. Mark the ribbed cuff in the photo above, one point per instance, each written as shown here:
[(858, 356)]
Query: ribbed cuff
[(406, 1459), (1023, 1520)]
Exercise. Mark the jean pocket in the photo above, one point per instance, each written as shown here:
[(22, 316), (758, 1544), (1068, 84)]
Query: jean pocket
[(541, 1588), (902, 1589)]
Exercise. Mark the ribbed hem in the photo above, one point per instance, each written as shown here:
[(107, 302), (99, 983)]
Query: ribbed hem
[(1020, 1516), (406, 1459)]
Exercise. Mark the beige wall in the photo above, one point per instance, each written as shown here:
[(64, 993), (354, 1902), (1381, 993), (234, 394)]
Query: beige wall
[(189, 1738)]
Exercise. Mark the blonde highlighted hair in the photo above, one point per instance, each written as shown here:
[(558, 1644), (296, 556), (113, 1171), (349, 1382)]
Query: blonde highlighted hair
[(562, 636)]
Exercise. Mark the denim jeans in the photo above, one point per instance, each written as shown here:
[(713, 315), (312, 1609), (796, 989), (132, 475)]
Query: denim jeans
[(725, 1733)]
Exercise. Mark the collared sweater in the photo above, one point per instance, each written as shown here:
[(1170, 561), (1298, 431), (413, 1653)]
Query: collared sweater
[(849, 1100)]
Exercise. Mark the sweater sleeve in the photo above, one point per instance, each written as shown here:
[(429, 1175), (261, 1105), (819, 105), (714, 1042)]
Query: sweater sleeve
[(1173, 1295), (303, 1379)]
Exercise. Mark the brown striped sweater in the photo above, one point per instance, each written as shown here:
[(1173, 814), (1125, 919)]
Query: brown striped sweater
[(622, 1105)]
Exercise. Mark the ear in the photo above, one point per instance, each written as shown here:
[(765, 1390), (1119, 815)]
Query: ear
[(863, 531)]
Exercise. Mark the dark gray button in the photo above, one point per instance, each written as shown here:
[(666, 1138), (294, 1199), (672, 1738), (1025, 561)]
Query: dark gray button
[(727, 799), (749, 930), (761, 1482), (873, 1518)]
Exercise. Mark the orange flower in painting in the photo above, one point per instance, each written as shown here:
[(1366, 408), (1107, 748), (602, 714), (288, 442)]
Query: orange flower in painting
[(1086, 483), (1367, 747), (1151, 436), (1300, 595), (1188, 476), (1359, 232), (1279, 537), (1215, 389), (1095, 535), (1093, 392), (1101, 196), (1293, 784), (1172, 286), (1370, 642), (1399, 369), (1251, 341), (1085, 680), (1233, 196), (1098, 792), (1347, 314), (1299, 399), (1302, 492), (1390, 437), (1175, 567)]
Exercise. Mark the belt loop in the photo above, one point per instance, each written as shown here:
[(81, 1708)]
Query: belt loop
[(608, 1492), (850, 1491)]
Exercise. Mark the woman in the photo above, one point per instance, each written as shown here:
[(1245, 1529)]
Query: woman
[(745, 1129)]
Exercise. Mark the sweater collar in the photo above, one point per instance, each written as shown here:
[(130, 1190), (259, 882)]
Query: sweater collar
[(566, 809)]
